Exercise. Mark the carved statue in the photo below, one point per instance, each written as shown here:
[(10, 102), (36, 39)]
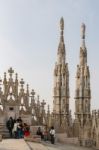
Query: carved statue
[(83, 28), (62, 24)]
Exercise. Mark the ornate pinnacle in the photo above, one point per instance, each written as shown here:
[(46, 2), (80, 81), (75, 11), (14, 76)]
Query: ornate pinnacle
[(62, 23), (83, 28)]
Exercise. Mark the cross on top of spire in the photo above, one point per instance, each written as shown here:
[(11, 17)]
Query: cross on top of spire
[(11, 70)]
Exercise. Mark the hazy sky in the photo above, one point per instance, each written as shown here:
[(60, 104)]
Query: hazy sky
[(29, 37)]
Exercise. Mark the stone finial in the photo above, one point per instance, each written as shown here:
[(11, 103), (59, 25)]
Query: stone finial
[(10, 71), (33, 93), (83, 28), (43, 102), (22, 83), (62, 23)]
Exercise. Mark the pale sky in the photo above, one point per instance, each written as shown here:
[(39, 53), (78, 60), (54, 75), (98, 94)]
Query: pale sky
[(29, 37)]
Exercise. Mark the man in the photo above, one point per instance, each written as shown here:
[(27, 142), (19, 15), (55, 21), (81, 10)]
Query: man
[(10, 125), (52, 134)]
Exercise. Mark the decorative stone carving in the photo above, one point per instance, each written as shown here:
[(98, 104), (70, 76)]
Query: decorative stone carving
[(15, 101)]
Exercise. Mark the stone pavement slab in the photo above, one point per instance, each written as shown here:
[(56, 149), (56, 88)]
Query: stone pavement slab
[(13, 144), (59, 146), (20, 144), (37, 146)]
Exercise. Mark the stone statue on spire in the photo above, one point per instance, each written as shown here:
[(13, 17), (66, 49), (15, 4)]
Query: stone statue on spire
[(83, 28), (62, 30), (62, 23)]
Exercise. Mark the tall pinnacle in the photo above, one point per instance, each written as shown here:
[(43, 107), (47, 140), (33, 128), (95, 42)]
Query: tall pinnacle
[(83, 28)]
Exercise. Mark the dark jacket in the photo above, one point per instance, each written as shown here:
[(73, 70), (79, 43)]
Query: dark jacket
[(10, 124)]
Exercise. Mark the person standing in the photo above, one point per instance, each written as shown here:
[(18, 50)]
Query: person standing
[(39, 132), (15, 128), (52, 134), (10, 125)]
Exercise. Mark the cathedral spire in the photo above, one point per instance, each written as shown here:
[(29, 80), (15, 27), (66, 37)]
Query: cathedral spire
[(61, 85), (82, 92)]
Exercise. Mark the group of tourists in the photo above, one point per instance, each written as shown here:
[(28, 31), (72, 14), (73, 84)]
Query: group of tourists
[(47, 135), (17, 128)]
